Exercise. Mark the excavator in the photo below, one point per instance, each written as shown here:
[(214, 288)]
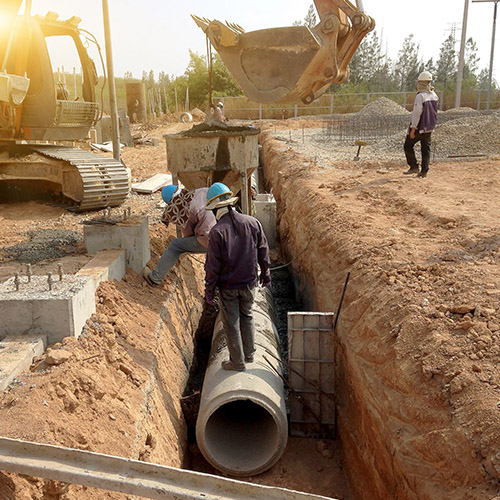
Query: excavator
[(37, 117), (293, 64)]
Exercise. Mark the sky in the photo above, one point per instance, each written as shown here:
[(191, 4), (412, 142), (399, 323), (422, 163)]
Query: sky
[(158, 34)]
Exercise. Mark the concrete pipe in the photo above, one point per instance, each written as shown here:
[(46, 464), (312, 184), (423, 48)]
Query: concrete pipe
[(242, 426)]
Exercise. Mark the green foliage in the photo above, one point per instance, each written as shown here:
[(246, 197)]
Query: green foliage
[(408, 65), (446, 70)]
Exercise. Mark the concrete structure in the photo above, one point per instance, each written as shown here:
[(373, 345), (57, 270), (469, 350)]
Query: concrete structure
[(242, 426), (265, 212), (131, 235), (16, 355), (46, 306), (311, 358), (107, 265), (214, 153), (132, 477)]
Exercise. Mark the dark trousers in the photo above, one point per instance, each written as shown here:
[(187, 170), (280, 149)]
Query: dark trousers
[(237, 318), (425, 148)]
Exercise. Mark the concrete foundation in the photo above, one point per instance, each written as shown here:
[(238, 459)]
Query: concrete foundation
[(265, 212), (58, 309), (107, 265), (131, 235), (16, 355)]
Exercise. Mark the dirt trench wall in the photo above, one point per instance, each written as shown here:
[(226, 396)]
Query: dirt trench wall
[(118, 389), (396, 427)]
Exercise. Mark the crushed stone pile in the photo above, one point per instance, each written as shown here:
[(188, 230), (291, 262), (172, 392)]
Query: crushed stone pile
[(464, 109), (382, 107), (469, 136)]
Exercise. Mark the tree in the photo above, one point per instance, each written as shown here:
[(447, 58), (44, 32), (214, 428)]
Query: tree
[(408, 65), (128, 75), (196, 78), (471, 65), (369, 68), (310, 20), (446, 71)]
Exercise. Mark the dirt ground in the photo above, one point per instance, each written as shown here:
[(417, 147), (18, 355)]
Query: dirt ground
[(418, 337)]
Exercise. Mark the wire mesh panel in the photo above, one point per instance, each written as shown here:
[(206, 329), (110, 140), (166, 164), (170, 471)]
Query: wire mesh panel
[(311, 374)]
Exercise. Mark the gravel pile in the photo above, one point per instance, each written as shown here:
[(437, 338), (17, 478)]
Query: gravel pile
[(469, 136), (382, 107), (44, 244)]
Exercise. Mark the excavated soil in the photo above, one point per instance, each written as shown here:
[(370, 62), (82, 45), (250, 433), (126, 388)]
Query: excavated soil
[(418, 347)]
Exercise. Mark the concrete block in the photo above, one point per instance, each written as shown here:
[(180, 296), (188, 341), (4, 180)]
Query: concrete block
[(107, 265), (58, 312), (131, 235), (265, 212), (16, 355)]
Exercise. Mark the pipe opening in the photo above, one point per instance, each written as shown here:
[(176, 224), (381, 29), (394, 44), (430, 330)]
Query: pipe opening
[(241, 435)]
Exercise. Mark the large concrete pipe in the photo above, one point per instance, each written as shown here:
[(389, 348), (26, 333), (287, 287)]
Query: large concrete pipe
[(242, 426)]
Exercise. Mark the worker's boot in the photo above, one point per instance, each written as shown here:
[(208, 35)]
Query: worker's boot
[(229, 365), (412, 170), (423, 173)]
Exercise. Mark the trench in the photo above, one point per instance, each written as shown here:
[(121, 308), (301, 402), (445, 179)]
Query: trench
[(386, 446)]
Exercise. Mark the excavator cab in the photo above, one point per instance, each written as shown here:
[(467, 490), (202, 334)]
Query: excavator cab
[(293, 64), (45, 112)]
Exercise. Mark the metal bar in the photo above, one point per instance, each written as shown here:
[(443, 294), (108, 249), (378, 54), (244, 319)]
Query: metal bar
[(460, 71), (128, 476)]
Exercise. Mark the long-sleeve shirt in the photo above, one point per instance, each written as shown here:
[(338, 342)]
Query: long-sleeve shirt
[(200, 220), (424, 114), (233, 256)]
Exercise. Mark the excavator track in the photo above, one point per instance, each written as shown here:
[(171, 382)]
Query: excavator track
[(105, 181)]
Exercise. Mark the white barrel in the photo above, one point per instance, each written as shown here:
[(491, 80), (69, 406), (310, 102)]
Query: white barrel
[(242, 426)]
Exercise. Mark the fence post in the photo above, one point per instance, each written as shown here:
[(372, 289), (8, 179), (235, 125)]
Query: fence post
[(404, 100), (479, 100), (331, 104), (260, 111), (296, 111)]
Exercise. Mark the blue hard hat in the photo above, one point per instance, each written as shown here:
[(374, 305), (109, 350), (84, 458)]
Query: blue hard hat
[(216, 190), (167, 192)]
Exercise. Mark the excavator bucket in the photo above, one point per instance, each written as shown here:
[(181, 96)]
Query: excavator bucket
[(292, 64)]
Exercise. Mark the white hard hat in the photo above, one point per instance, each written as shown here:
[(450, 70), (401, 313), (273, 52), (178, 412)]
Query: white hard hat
[(220, 104), (425, 76)]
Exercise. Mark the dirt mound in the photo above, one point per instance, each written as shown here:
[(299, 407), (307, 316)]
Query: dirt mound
[(382, 107)]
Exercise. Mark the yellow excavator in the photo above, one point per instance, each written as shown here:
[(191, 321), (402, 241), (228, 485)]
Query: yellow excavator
[(37, 116), (293, 64)]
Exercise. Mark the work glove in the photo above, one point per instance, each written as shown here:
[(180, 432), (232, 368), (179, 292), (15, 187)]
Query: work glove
[(264, 280), (209, 299)]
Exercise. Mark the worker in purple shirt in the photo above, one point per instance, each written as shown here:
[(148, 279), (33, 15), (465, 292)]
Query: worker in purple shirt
[(423, 122), (237, 246)]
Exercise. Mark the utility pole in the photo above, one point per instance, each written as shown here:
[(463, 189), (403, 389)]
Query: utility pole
[(461, 56), (490, 76), (111, 83)]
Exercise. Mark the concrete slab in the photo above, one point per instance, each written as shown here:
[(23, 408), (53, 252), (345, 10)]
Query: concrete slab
[(16, 355), (36, 309), (107, 265), (131, 235)]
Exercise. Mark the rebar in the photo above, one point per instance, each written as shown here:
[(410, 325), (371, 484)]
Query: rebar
[(28, 272), (60, 271)]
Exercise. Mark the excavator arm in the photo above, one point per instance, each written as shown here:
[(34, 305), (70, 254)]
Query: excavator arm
[(292, 64)]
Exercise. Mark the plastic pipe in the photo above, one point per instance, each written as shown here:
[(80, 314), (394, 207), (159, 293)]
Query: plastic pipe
[(242, 426)]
